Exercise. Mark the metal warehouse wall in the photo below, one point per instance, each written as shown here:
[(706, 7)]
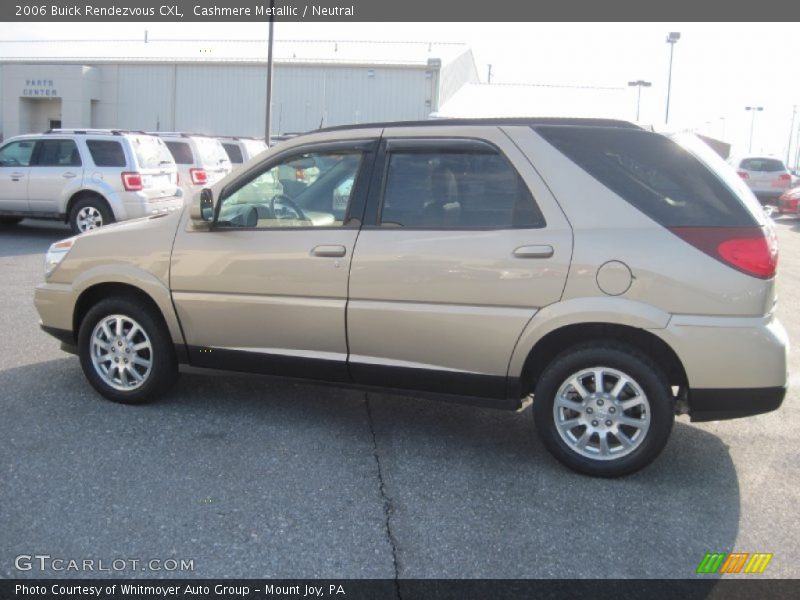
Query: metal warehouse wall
[(229, 99)]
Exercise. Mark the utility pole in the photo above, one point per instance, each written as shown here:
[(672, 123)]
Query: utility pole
[(489, 78), (791, 131), (268, 125), (754, 110)]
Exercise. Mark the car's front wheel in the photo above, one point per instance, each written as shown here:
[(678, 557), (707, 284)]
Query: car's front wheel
[(126, 352), (604, 409)]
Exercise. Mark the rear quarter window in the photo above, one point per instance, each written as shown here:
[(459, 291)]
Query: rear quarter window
[(234, 152), (106, 153), (181, 152), (654, 174)]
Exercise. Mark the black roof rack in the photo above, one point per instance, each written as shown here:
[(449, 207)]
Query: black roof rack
[(525, 121)]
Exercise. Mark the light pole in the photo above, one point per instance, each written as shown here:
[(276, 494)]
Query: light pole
[(672, 39), (639, 84), (754, 110), (268, 125), (791, 131), (722, 137)]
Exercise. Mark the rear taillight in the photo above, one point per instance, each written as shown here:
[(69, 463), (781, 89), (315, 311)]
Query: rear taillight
[(177, 178), (199, 176), (751, 250), (785, 177), (743, 174), (132, 182)]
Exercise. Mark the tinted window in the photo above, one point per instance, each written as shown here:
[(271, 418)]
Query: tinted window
[(106, 153), (234, 152), (181, 152), (16, 154), (456, 190), (767, 165), (652, 173), (57, 153)]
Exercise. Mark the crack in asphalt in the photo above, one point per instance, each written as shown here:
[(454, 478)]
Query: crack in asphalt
[(387, 502)]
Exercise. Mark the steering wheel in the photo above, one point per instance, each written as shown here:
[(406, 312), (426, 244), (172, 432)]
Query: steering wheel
[(284, 199)]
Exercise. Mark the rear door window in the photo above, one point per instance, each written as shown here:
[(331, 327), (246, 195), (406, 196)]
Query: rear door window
[(57, 153), (106, 153), (658, 176), (456, 190)]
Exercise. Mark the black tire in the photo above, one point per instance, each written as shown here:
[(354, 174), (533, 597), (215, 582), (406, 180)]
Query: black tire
[(95, 204), (164, 366), (10, 220), (635, 365)]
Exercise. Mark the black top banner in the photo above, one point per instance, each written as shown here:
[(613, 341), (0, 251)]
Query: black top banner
[(394, 10)]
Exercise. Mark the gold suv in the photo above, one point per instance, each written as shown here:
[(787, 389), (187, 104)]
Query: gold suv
[(618, 276)]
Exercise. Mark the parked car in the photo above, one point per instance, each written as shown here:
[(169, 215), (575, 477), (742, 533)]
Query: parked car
[(616, 275), (767, 177), (242, 149), (201, 159), (87, 178), (788, 203)]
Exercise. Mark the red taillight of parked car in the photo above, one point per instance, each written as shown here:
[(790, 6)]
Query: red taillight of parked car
[(743, 174), (199, 176), (785, 177), (132, 182), (751, 250)]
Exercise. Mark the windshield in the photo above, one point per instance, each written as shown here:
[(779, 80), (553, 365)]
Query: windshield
[(151, 152), (211, 152)]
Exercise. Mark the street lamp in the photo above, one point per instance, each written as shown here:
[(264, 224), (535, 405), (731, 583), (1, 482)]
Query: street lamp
[(639, 84), (754, 109), (672, 39)]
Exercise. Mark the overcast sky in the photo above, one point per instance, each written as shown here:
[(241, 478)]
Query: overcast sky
[(718, 68)]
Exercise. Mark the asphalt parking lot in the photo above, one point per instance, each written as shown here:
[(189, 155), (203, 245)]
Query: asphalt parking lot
[(251, 478)]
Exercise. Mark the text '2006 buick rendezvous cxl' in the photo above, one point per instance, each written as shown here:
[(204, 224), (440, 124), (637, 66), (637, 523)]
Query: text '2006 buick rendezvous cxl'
[(617, 276)]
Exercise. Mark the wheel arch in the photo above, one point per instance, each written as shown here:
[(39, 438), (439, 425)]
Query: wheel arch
[(155, 296), (557, 340), (80, 195)]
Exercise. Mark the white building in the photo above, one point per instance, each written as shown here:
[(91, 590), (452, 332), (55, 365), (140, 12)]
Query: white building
[(219, 87)]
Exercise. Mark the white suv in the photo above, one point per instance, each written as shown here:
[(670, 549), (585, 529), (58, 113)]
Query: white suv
[(767, 177), (201, 160), (87, 178)]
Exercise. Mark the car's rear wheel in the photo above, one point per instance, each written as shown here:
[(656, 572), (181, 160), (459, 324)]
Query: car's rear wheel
[(126, 352), (10, 220), (604, 409), (89, 213)]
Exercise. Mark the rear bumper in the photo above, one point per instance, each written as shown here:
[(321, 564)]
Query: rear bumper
[(718, 404)]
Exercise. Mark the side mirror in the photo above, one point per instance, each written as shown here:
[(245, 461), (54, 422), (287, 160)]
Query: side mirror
[(202, 206)]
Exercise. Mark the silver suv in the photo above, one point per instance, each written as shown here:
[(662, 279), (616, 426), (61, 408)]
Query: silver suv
[(87, 178), (617, 276), (201, 159)]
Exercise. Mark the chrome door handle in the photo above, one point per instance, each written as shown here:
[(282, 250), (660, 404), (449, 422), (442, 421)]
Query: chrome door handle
[(17, 176), (329, 251), (533, 252), (69, 175)]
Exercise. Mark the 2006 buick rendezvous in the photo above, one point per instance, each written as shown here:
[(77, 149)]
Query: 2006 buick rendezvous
[(617, 275)]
